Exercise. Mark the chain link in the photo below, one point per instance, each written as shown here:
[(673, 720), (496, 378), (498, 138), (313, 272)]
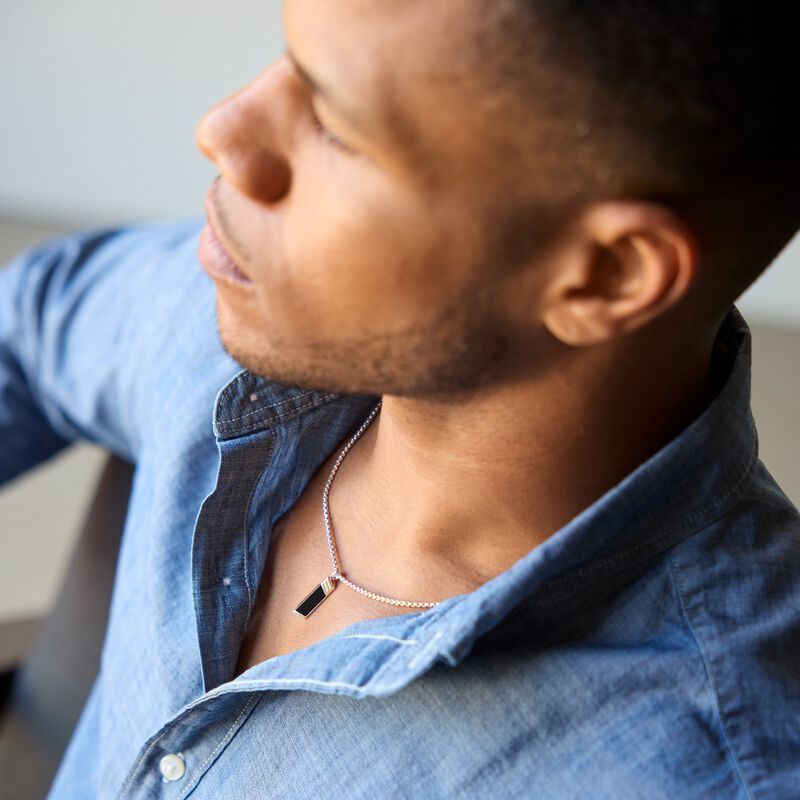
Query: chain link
[(337, 572)]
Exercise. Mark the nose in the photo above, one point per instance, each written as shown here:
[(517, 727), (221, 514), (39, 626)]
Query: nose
[(245, 136)]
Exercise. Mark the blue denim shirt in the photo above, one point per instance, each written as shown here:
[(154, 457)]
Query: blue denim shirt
[(649, 649)]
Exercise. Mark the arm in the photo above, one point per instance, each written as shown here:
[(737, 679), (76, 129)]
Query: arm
[(75, 346)]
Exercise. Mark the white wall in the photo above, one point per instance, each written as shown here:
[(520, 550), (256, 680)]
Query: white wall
[(774, 299), (100, 101)]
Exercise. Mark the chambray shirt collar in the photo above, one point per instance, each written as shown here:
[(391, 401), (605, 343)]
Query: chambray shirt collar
[(692, 481)]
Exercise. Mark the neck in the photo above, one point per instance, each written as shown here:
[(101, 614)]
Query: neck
[(459, 489)]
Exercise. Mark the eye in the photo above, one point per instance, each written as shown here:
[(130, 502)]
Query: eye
[(329, 138)]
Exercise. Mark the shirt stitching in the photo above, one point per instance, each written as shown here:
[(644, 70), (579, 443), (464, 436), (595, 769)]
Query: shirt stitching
[(238, 685), (136, 766), (287, 400), (265, 683), (317, 400), (710, 677), (378, 636), (252, 700), (425, 650)]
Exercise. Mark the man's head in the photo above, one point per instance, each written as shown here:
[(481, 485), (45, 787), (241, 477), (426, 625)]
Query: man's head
[(503, 184)]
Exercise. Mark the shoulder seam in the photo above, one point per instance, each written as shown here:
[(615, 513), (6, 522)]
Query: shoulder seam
[(709, 677)]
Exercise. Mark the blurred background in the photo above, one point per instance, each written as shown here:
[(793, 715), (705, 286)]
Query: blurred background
[(99, 104)]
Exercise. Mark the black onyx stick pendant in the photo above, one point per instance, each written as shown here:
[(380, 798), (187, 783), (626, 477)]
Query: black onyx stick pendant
[(311, 601)]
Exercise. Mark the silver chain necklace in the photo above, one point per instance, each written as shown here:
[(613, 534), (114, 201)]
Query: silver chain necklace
[(320, 592)]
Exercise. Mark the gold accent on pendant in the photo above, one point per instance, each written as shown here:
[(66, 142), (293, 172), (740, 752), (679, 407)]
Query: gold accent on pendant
[(312, 600)]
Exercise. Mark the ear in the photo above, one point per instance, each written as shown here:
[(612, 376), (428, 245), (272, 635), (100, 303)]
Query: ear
[(629, 262)]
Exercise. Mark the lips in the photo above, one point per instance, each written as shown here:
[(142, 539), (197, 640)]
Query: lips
[(213, 255)]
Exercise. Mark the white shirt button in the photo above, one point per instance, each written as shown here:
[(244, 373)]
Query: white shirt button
[(172, 767)]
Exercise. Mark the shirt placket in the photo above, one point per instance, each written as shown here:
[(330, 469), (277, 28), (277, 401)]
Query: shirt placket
[(172, 762)]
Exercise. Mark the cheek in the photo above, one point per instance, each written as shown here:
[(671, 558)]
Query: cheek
[(357, 261)]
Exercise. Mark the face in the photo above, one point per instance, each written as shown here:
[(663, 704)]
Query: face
[(362, 193)]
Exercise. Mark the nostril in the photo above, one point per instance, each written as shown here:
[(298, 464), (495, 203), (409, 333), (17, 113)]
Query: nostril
[(263, 175)]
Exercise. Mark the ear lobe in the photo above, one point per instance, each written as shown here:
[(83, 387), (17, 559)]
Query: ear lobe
[(642, 260)]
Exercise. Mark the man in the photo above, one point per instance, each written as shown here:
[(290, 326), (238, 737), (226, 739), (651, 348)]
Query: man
[(473, 271)]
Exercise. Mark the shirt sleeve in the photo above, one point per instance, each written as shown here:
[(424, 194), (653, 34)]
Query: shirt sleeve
[(75, 340)]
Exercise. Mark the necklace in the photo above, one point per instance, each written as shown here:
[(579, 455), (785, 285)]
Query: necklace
[(320, 592)]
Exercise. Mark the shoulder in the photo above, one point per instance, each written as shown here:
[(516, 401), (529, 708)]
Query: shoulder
[(738, 583)]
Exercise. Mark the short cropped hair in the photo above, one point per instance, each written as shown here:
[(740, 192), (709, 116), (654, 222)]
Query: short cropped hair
[(694, 104)]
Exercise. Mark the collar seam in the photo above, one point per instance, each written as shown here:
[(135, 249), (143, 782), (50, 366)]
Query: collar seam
[(267, 415)]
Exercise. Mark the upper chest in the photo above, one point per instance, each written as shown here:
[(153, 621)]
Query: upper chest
[(297, 562)]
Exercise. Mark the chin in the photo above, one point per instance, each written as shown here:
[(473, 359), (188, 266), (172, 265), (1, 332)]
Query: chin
[(256, 357), (433, 361)]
